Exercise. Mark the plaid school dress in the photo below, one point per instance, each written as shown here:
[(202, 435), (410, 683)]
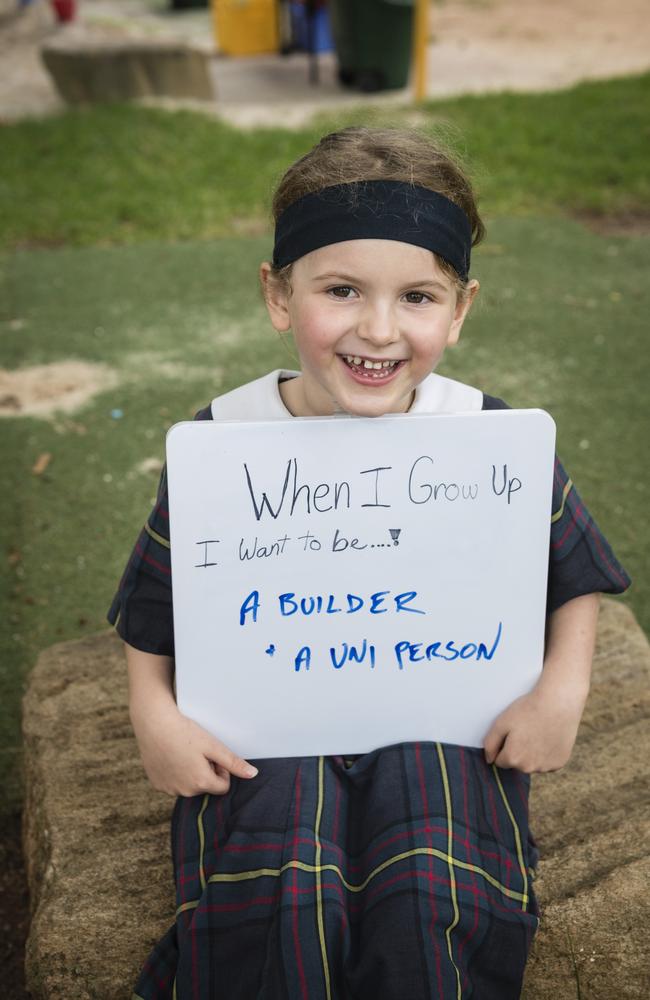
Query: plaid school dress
[(401, 874)]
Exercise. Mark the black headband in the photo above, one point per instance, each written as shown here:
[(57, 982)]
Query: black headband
[(375, 210)]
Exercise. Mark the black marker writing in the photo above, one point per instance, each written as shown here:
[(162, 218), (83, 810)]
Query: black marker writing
[(205, 563)]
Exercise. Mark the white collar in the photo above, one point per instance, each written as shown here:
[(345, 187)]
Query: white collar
[(261, 399)]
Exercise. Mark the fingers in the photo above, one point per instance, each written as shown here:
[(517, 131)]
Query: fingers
[(494, 742), (216, 781), (225, 758), (504, 750), (504, 757), (213, 779)]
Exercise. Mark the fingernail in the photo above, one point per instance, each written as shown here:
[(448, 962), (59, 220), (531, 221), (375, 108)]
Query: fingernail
[(251, 771)]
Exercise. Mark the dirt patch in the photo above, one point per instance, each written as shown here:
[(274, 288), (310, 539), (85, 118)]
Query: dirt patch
[(147, 467), (42, 390), (635, 223)]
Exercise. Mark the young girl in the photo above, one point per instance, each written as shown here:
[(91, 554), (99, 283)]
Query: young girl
[(403, 873)]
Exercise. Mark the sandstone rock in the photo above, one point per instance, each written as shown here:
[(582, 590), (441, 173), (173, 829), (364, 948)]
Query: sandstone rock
[(592, 823), (97, 837), (89, 68)]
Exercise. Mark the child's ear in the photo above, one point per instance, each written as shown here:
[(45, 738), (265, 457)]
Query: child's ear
[(463, 306), (275, 297)]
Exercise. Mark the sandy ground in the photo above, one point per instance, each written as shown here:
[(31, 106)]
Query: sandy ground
[(475, 46), (42, 390)]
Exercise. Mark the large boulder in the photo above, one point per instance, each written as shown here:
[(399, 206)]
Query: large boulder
[(592, 823), (88, 67), (97, 836)]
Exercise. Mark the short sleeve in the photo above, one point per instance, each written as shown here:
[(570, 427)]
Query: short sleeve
[(141, 610), (581, 560)]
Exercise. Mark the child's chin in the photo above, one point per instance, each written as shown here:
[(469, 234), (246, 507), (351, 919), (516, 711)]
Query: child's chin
[(372, 407)]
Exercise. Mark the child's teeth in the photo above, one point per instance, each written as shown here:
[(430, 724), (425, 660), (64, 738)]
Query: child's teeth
[(354, 359)]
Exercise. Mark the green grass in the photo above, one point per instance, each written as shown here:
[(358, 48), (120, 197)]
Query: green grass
[(125, 174), (561, 322)]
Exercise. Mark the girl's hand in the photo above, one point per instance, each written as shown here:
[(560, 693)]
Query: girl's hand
[(182, 758), (537, 731), (179, 756)]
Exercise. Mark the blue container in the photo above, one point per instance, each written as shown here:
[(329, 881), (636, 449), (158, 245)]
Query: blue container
[(321, 32)]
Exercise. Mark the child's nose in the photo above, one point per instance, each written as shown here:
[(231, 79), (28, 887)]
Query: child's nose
[(378, 325)]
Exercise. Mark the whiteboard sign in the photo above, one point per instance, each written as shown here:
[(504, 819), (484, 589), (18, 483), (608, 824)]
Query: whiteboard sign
[(342, 584)]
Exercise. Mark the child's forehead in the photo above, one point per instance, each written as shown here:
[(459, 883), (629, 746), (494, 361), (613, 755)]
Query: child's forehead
[(369, 256)]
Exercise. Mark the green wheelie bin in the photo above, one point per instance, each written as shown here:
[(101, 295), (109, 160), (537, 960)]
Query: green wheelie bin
[(374, 40)]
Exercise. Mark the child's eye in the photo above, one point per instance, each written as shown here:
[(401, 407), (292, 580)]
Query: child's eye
[(339, 291), (416, 298)]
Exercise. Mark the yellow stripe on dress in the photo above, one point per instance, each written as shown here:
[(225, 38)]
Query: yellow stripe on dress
[(202, 841), (156, 537), (190, 905), (520, 855), (452, 874), (565, 492), (246, 876)]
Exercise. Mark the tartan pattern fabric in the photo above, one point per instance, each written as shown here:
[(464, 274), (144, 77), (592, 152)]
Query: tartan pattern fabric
[(403, 874), (142, 607), (580, 558)]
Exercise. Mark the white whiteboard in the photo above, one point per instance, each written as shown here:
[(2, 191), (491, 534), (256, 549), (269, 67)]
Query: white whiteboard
[(453, 510)]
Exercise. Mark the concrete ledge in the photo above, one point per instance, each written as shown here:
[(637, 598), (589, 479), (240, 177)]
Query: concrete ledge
[(97, 837), (88, 69)]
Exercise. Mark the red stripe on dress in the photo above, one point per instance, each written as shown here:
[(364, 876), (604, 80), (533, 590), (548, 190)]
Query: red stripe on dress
[(245, 905), (336, 849), (296, 935), (468, 853), (521, 791), (337, 800), (434, 910), (162, 984), (514, 908), (577, 515), (310, 890), (151, 561), (356, 867), (495, 818), (219, 822), (612, 570), (427, 828)]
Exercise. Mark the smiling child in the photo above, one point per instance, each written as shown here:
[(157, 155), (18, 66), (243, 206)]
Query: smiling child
[(404, 873)]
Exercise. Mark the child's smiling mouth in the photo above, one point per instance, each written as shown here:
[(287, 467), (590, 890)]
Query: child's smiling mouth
[(370, 370)]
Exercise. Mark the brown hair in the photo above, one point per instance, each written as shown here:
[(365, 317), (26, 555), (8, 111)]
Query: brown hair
[(358, 153)]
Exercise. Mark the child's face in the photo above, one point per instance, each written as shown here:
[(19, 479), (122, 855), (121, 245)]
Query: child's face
[(371, 319)]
